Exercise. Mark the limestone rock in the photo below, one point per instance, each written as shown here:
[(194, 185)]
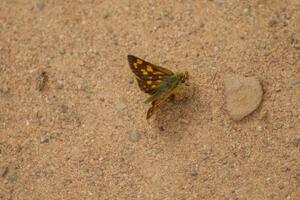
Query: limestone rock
[(243, 95)]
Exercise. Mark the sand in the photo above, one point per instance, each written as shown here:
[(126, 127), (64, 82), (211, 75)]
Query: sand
[(73, 122)]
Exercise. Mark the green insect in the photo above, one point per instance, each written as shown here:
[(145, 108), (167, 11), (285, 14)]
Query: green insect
[(159, 82)]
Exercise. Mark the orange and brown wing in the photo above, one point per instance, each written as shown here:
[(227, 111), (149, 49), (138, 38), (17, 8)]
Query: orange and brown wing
[(148, 76), (147, 71), (148, 86)]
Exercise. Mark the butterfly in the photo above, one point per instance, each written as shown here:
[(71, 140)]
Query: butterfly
[(160, 83)]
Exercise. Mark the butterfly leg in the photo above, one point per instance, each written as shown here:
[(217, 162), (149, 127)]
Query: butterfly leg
[(155, 106), (151, 110)]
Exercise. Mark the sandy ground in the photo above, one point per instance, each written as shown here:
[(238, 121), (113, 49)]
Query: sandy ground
[(72, 120)]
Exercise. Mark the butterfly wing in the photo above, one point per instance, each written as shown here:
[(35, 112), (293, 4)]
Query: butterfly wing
[(148, 86), (158, 98), (149, 76), (170, 87), (153, 80), (147, 71), (155, 106)]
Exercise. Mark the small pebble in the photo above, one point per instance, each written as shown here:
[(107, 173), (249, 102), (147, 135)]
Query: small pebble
[(205, 157), (59, 85), (90, 181), (45, 139), (291, 38), (272, 23), (259, 128), (294, 82), (40, 5), (163, 61), (63, 108), (115, 42), (130, 152), (62, 51), (134, 136), (184, 121), (13, 177), (296, 45), (264, 115), (194, 173), (246, 10), (296, 142), (120, 161), (42, 80), (99, 172)]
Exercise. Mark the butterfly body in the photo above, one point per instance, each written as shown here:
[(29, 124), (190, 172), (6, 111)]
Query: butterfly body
[(166, 88), (159, 82)]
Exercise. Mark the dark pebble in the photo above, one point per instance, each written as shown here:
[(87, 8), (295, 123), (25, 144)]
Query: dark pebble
[(272, 23), (45, 139), (63, 108), (205, 157), (4, 170), (194, 173), (42, 80), (40, 5)]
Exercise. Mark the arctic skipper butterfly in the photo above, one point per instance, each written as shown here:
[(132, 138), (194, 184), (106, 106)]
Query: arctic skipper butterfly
[(160, 83)]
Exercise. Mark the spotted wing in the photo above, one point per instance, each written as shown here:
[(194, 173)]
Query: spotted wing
[(148, 76), (149, 86), (147, 71)]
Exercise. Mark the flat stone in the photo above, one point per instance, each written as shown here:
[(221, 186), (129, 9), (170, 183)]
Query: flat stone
[(130, 152), (45, 138), (243, 95), (134, 136)]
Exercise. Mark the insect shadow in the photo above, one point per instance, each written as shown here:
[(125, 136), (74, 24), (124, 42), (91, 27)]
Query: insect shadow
[(175, 115)]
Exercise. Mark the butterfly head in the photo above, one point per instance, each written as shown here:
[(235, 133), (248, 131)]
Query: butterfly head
[(183, 77)]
